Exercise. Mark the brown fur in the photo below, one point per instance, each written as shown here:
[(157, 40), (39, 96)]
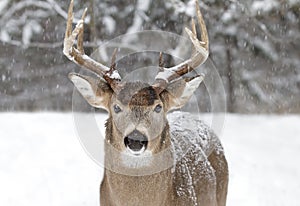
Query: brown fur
[(137, 94)]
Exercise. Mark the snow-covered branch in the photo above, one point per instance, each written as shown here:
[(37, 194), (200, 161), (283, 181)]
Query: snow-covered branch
[(250, 80), (60, 11), (258, 8), (33, 44), (139, 17), (22, 5), (28, 22), (3, 5), (181, 7), (282, 40)]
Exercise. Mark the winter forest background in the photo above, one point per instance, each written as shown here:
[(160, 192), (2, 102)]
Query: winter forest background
[(254, 45)]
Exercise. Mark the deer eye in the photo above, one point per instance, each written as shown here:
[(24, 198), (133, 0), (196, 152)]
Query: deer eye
[(117, 109), (158, 108)]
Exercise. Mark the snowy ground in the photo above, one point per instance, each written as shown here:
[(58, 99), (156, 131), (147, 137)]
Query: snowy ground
[(43, 163)]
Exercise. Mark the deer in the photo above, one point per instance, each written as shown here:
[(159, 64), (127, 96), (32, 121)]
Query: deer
[(152, 158)]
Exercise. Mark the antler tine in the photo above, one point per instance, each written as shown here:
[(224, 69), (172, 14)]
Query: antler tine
[(69, 20), (113, 60), (194, 30), (204, 34), (161, 63), (198, 57), (80, 35), (78, 56), (193, 25)]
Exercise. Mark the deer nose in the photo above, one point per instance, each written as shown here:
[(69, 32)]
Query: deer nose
[(136, 142)]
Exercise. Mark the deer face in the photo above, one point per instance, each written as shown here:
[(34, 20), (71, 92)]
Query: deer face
[(138, 116), (137, 112)]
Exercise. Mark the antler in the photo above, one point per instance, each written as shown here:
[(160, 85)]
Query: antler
[(78, 56), (166, 75)]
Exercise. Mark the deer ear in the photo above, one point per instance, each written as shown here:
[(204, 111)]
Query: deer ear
[(95, 91), (178, 93)]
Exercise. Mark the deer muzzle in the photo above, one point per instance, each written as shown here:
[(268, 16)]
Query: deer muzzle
[(136, 142)]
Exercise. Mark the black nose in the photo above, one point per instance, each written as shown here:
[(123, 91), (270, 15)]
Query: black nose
[(136, 141)]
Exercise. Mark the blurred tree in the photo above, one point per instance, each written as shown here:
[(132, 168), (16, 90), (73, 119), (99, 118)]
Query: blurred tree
[(254, 44)]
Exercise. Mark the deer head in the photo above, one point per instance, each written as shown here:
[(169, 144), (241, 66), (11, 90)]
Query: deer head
[(137, 111)]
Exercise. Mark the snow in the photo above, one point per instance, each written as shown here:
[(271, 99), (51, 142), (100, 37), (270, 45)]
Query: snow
[(264, 6), (43, 163), (110, 24), (32, 27), (266, 47), (193, 149), (257, 90), (293, 2), (181, 7), (3, 5), (4, 36), (227, 16), (143, 5), (115, 75), (190, 8), (262, 152), (139, 17)]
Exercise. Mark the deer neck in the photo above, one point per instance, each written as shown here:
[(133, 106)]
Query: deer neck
[(136, 186), (147, 190)]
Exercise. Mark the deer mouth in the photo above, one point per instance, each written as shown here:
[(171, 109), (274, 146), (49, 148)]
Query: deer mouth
[(136, 142)]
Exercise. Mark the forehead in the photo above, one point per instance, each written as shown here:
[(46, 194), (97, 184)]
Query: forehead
[(137, 94)]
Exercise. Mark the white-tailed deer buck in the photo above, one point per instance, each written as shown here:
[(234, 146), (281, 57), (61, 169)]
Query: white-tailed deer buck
[(193, 170)]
